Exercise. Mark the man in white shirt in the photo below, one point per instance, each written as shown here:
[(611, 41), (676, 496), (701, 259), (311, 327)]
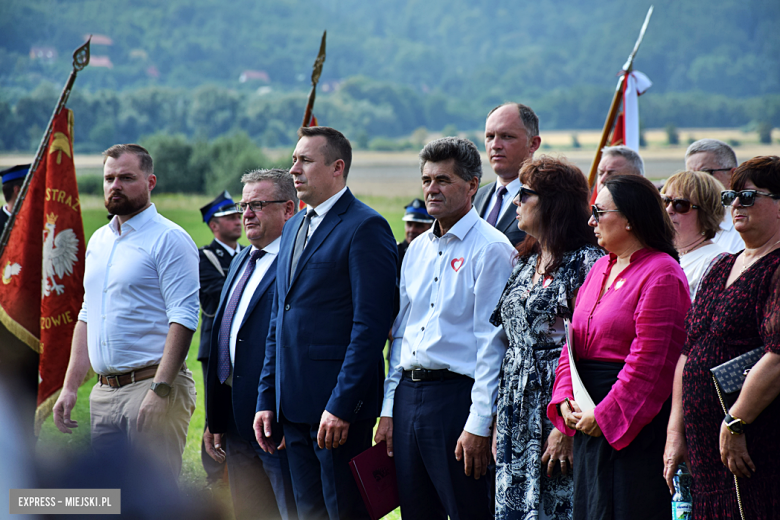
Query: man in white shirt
[(719, 160), (260, 482), (441, 388), (511, 138), (136, 323)]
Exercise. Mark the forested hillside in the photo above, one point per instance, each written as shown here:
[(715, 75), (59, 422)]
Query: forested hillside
[(393, 66)]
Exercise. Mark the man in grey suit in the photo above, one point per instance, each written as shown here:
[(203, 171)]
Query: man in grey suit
[(511, 138)]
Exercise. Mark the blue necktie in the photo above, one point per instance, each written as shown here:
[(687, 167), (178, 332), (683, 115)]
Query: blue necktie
[(493, 217), (223, 368)]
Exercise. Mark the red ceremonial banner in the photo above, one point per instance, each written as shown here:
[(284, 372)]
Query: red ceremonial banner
[(43, 264)]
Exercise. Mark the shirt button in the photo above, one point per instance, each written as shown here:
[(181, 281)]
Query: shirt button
[(436, 279), (422, 328), (431, 305), (439, 253), (287, 307)]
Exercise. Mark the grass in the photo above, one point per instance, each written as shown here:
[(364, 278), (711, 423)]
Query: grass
[(184, 210)]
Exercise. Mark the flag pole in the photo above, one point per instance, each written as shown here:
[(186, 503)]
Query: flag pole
[(315, 78), (80, 60), (628, 66)]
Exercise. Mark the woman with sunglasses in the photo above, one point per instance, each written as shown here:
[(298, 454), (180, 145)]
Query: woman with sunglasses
[(737, 310), (627, 332), (534, 459), (692, 200)]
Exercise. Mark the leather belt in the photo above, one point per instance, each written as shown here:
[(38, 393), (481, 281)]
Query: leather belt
[(422, 374), (120, 380)]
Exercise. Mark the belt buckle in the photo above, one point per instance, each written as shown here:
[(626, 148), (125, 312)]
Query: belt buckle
[(114, 378), (417, 378)]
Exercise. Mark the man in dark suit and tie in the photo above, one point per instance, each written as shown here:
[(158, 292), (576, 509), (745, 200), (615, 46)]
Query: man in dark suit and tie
[(260, 482), (324, 370), (224, 220), (511, 138)]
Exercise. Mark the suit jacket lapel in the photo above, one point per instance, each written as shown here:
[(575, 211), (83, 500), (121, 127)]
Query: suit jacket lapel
[(231, 277), (331, 220), (508, 218), (481, 202)]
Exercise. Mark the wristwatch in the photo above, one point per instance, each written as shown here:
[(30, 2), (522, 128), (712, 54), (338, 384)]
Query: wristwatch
[(161, 389), (735, 425)]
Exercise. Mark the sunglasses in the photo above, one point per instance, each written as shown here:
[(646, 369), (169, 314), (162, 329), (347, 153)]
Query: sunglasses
[(746, 197), (524, 193), (595, 212), (680, 206)]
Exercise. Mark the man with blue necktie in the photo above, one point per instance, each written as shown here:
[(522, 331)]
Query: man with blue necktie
[(323, 372), (259, 482), (511, 138)]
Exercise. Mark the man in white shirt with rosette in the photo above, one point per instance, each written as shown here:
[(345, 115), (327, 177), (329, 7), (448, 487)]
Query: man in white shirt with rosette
[(441, 388), (136, 323)]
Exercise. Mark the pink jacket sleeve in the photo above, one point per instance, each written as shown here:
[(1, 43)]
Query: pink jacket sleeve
[(645, 382)]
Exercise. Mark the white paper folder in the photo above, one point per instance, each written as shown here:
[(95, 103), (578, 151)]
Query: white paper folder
[(581, 395)]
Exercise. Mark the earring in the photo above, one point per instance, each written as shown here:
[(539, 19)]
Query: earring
[(628, 227)]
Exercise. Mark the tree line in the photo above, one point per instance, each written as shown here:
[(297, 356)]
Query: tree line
[(369, 112)]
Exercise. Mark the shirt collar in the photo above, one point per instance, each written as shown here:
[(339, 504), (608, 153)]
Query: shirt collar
[(272, 248), (461, 227), (323, 208), (136, 222), (635, 256), (230, 250), (512, 188)]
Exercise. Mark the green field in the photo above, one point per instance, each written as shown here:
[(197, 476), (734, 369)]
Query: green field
[(184, 210)]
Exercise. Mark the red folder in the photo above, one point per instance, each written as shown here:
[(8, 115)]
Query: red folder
[(374, 473)]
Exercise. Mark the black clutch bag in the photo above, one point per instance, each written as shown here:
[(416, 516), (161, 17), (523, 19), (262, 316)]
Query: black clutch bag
[(730, 376)]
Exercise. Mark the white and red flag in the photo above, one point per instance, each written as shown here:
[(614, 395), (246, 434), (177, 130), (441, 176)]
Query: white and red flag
[(626, 130)]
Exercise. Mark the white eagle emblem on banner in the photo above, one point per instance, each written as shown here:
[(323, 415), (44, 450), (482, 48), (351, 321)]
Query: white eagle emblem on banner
[(59, 255)]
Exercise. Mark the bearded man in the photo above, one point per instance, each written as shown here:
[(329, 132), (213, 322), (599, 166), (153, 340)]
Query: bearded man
[(136, 323)]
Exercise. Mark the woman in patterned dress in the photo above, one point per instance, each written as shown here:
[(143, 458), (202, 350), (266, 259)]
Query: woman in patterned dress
[(737, 310), (533, 459)]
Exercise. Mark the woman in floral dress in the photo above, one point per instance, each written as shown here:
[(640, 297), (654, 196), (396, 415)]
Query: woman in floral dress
[(533, 459)]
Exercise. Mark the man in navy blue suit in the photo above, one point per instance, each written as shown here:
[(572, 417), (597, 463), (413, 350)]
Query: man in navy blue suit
[(260, 482), (324, 370)]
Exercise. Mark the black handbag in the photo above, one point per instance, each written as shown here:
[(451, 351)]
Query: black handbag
[(730, 376)]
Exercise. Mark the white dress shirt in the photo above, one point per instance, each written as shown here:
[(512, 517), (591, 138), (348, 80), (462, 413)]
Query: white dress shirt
[(261, 268), (135, 285), (728, 237), (511, 190), (322, 210), (449, 288)]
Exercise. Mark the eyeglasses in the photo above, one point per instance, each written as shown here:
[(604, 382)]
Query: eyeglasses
[(746, 197), (256, 205), (524, 193), (595, 212), (680, 206), (712, 171)]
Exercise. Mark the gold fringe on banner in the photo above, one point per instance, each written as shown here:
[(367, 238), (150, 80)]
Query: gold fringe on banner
[(20, 332)]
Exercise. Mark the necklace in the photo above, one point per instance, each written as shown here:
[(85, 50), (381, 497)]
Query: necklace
[(694, 246), (745, 267)]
